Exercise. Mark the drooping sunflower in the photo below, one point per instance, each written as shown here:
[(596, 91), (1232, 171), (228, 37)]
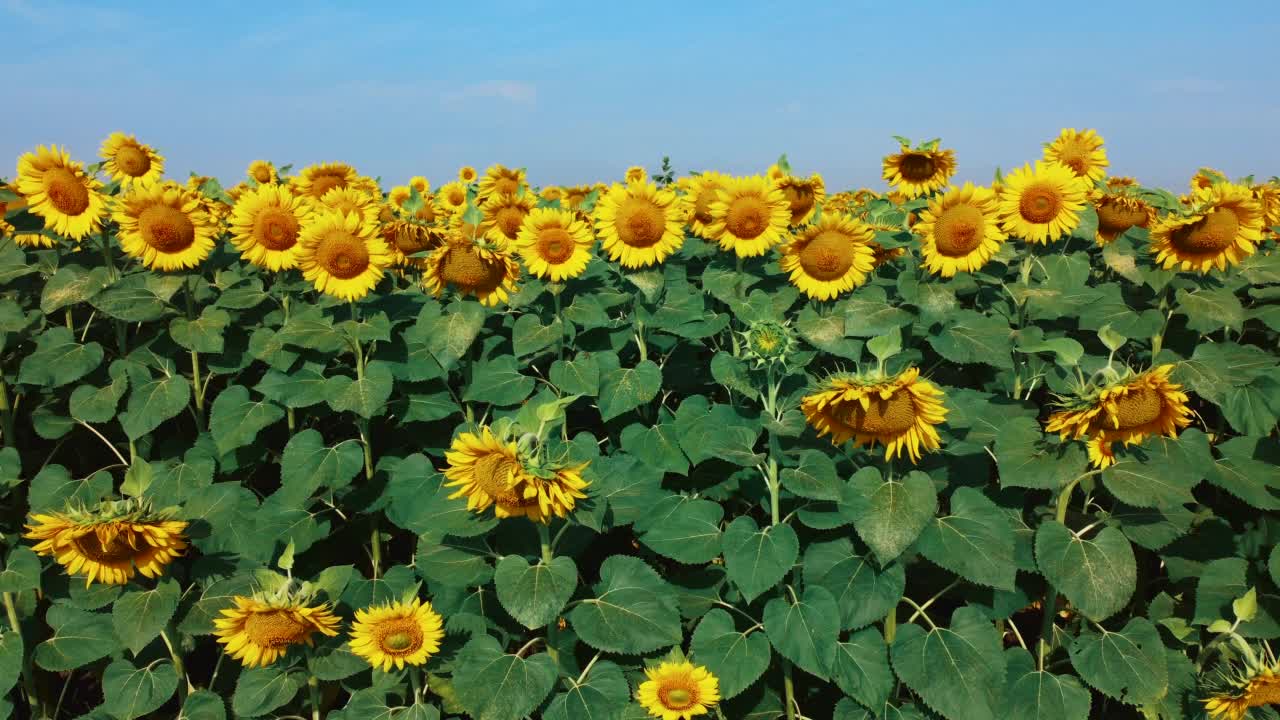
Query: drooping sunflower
[(491, 471), (129, 161), (900, 412), (749, 216), (640, 225), (803, 196), (1206, 177), (1120, 208), (919, 171), (636, 173), (504, 214), (266, 224), (555, 244), (1043, 204), (471, 268), (342, 255), (397, 634), (830, 257), (499, 180), (1126, 407), (452, 197), (405, 238), (573, 197), (165, 226), (1224, 227), (316, 180), (466, 174), (959, 231), (58, 190), (703, 190), (111, 542), (263, 172), (678, 691), (261, 628), (1081, 152), (1237, 686), (349, 200)]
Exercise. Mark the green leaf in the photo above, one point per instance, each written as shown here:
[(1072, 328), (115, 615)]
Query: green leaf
[(529, 335), (153, 403), (805, 632), (1129, 665), (658, 445), (98, 405), (176, 480), (53, 488), (301, 388), (756, 558), (495, 686), (861, 668), (235, 420), (579, 376), (958, 671), (883, 347), (1098, 575), (1210, 310), (890, 515), (737, 659), (71, 285), (10, 661), (633, 610), (1155, 474), (59, 359), (1032, 693), (131, 299), (498, 382), (864, 592), (332, 659), (1067, 352), (970, 337), (815, 478), (261, 690), (429, 407), (204, 334), (419, 502), (132, 692), (21, 570), (453, 562), (683, 529), (308, 465), (625, 389), (868, 313), (732, 373), (139, 616), (203, 705), (1221, 583), (974, 540), (366, 396), (79, 638), (535, 594), (603, 695), (217, 596)]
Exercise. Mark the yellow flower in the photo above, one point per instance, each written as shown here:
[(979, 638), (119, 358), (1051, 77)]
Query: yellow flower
[(959, 231), (678, 691), (263, 172), (164, 226), (829, 258), (398, 633), (405, 238), (803, 196), (703, 192), (1043, 204), (749, 216), (775, 172), (499, 180), (573, 197), (58, 190), (466, 174), (1255, 685), (1101, 452), (918, 172), (504, 214), (453, 197), (111, 544), (555, 244), (420, 183), (266, 224), (1119, 209), (550, 193), (636, 173), (316, 180), (1206, 177), (899, 412), (342, 255), (488, 274), (490, 471), (1081, 152), (1224, 228), (349, 200), (1268, 197), (640, 225), (260, 630), (129, 161)]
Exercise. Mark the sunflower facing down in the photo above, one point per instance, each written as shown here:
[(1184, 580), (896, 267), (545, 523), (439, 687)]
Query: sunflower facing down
[(263, 172), (1081, 152), (405, 239), (703, 190), (316, 180), (1127, 409), (1041, 204), (266, 224), (58, 190), (678, 691), (899, 412), (640, 225), (164, 226), (636, 173), (919, 171), (555, 244), (260, 629), (830, 258), (489, 274), (1119, 208), (749, 216), (341, 255), (499, 180), (1224, 227), (959, 231), (129, 161), (397, 634), (803, 196), (110, 543), (492, 471)]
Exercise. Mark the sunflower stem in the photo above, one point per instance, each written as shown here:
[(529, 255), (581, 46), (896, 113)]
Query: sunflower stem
[(196, 388), (185, 685), (774, 491), (313, 690), (34, 701), (548, 554), (891, 625), (6, 414), (789, 688), (70, 324), (544, 538), (556, 289), (112, 275), (1051, 593), (416, 683)]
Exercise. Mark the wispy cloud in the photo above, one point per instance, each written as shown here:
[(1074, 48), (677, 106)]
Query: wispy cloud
[(512, 91)]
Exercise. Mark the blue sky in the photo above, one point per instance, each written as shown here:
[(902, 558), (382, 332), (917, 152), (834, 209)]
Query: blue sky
[(577, 91)]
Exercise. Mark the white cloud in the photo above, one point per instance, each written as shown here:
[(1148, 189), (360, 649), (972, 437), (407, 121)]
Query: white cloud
[(515, 92)]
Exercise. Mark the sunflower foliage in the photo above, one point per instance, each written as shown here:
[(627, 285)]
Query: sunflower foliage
[(659, 447)]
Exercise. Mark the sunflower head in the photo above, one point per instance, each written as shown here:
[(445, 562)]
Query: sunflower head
[(405, 239), (1081, 152), (551, 193), (505, 213), (342, 255), (959, 231), (830, 257), (259, 629), (420, 183), (467, 175), (769, 343), (701, 192), (900, 411), (491, 469), (165, 226), (1121, 406), (111, 542), (1237, 686), (1205, 178), (1120, 207), (803, 196), (1223, 226), (397, 634), (749, 216), (58, 190), (678, 690), (1268, 196), (129, 161), (263, 172), (500, 180), (636, 173), (1043, 203), (639, 224), (266, 224), (555, 244), (452, 197), (349, 200), (920, 170), (472, 266), (316, 180)]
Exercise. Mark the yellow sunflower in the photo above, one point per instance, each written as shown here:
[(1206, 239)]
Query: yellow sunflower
[(803, 196), (678, 691), (260, 629), (636, 173), (959, 231), (266, 224), (504, 214), (129, 161), (1126, 409), (466, 174), (555, 244), (919, 171), (1119, 208), (110, 543), (452, 197), (164, 226), (1043, 204), (488, 274), (830, 257), (490, 470), (1268, 197), (551, 193), (421, 184), (316, 180), (899, 412), (1254, 684), (571, 198), (342, 255), (499, 180), (1102, 452), (640, 225), (263, 172), (749, 216), (1081, 152), (58, 190), (703, 191), (405, 238), (398, 633), (1205, 177), (1224, 227), (349, 200), (775, 172)]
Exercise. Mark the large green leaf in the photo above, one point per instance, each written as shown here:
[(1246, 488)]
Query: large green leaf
[(235, 419), (21, 570), (308, 465), (493, 685), (974, 540), (261, 690), (861, 668), (139, 616), (756, 558), (498, 382), (78, 639), (958, 670), (625, 389), (59, 359), (10, 660), (1097, 574), (815, 477), (633, 610), (1032, 693), (602, 695), (889, 514), (132, 692), (535, 594), (1128, 665), (864, 592), (365, 396), (971, 337), (736, 658), (684, 529), (805, 629), (154, 402)]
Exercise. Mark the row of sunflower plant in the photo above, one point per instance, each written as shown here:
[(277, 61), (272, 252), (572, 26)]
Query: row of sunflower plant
[(669, 447)]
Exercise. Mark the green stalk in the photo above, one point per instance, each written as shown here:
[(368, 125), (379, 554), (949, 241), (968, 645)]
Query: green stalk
[(112, 275), (553, 628), (891, 625), (34, 702), (416, 684), (774, 490), (6, 414), (185, 686), (313, 690), (789, 687), (196, 389), (289, 413), (1050, 593)]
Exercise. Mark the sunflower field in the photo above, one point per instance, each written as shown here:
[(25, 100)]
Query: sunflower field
[(676, 446)]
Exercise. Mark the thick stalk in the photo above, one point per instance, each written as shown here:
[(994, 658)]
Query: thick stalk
[(197, 389), (1050, 593), (34, 703), (313, 690), (891, 625), (790, 690), (184, 686), (774, 490), (416, 684), (553, 628)]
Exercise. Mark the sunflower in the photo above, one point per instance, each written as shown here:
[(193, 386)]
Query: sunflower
[(899, 412), (1206, 177), (571, 198), (959, 231), (749, 216), (266, 224), (639, 224), (499, 180), (489, 274), (492, 471), (678, 691), (110, 543), (803, 196), (58, 190), (260, 629), (504, 214), (349, 200), (466, 174), (1126, 408), (1043, 204), (882, 255), (1081, 152), (263, 172), (703, 191), (830, 257), (129, 161), (775, 172), (316, 180), (342, 255), (397, 633), (1224, 227), (421, 184), (1102, 452), (919, 171), (550, 193), (636, 173), (555, 244), (405, 238), (1119, 208), (164, 226), (452, 197), (1268, 197)]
